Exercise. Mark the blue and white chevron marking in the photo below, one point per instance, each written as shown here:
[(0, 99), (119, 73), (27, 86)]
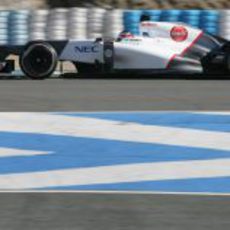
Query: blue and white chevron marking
[(136, 151)]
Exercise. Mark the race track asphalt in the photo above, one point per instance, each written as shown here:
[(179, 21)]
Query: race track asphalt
[(26, 211), (114, 95), (115, 212)]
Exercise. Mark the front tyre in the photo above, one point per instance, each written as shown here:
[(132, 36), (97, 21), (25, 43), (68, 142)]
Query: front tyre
[(38, 60)]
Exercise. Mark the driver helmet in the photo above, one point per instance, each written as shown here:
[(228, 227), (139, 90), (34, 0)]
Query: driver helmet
[(145, 18), (125, 34)]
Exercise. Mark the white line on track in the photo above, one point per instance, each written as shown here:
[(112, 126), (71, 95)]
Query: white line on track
[(114, 192), (112, 130), (147, 112), (222, 113), (117, 174), (10, 152)]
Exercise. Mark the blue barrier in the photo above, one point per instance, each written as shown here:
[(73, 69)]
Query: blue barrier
[(131, 20), (191, 17), (170, 15), (14, 25), (154, 15), (207, 20)]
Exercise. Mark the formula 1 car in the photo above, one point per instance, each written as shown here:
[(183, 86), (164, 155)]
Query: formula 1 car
[(161, 48)]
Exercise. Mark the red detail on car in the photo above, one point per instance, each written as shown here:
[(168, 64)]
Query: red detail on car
[(126, 35), (179, 33), (185, 50), (148, 24)]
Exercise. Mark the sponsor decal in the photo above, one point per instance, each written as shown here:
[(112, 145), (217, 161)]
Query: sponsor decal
[(179, 33), (86, 49), (133, 40)]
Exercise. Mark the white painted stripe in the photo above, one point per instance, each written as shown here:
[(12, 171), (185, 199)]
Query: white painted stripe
[(112, 130), (146, 112), (9, 152), (117, 174), (115, 192), (225, 113)]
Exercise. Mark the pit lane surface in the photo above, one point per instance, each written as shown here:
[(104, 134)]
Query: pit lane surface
[(114, 95), (113, 211)]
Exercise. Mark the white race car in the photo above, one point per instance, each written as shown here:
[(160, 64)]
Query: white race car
[(161, 48)]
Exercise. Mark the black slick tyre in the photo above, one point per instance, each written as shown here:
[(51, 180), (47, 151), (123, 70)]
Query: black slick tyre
[(38, 60)]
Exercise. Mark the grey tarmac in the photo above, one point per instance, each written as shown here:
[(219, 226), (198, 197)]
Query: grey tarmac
[(82, 211), (113, 95)]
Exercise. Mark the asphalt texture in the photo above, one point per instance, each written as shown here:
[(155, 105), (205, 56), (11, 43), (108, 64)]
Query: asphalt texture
[(108, 211), (25, 211), (113, 95)]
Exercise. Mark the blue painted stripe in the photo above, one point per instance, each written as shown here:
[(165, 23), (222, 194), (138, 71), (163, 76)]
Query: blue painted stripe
[(215, 185), (208, 122), (71, 152)]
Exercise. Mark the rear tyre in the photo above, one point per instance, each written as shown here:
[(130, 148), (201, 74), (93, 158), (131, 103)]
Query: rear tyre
[(38, 60)]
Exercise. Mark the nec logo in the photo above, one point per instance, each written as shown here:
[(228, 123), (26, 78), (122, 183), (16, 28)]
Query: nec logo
[(86, 49)]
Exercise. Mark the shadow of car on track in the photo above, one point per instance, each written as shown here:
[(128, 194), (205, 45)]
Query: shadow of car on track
[(146, 77), (72, 76)]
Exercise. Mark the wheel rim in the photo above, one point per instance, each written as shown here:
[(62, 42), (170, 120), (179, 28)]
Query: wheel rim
[(38, 61)]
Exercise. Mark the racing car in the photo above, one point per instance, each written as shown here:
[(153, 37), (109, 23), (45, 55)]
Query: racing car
[(160, 48)]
